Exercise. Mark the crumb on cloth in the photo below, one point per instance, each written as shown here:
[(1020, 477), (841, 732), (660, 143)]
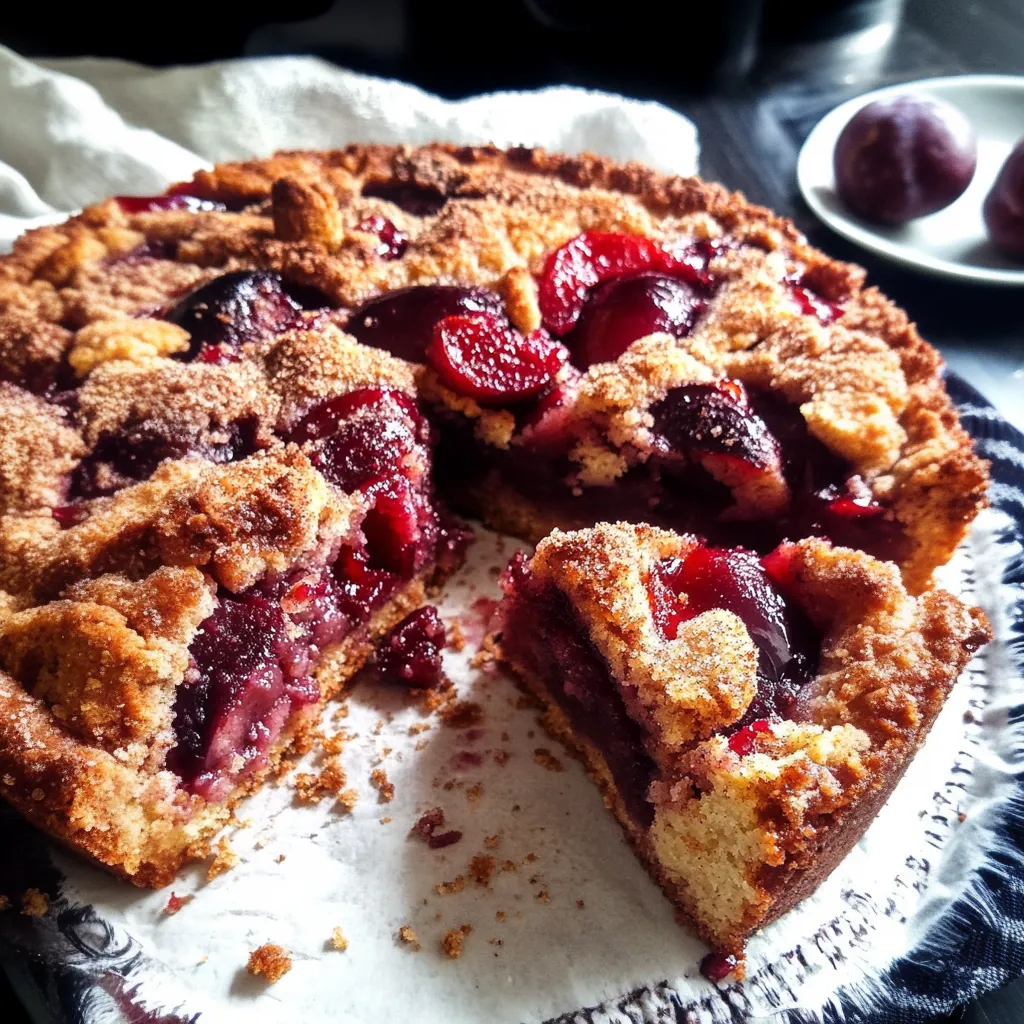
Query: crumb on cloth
[(176, 902), (407, 937), (453, 940), (385, 788), (34, 903), (481, 868), (225, 860), (270, 962)]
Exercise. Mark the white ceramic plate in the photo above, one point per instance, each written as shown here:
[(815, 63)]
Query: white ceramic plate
[(952, 242)]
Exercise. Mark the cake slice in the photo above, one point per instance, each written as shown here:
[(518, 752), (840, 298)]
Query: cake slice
[(744, 717)]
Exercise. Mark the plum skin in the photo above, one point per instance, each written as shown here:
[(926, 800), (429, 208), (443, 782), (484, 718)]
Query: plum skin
[(904, 158), (1003, 209)]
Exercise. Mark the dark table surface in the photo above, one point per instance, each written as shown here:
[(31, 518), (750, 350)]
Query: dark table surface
[(751, 129)]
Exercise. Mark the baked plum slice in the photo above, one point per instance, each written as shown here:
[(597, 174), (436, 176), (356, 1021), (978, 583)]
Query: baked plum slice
[(392, 241), (736, 580), (715, 422), (168, 201), (571, 272), (132, 456), (402, 322), (239, 307), (373, 440), (621, 310), (482, 357)]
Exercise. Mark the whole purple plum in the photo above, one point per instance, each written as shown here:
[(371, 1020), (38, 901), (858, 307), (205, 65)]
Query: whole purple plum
[(904, 158), (1004, 205)]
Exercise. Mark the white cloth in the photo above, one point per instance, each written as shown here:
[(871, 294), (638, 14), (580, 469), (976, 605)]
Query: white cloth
[(75, 131)]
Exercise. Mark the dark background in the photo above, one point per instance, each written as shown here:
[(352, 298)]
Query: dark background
[(754, 75)]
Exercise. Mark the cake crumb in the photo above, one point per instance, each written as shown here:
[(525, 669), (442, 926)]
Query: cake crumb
[(34, 903), (543, 896), (427, 826), (501, 758), (280, 858), (422, 745), (500, 915), (338, 940), (475, 792), (408, 937), (334, 743), (546, 759), (385, 789), (580, 904), (311, 788), (342, 711), (463, 715), (347, 799), (454, 939), (481, 868), (457, 884), (224, 861), (486, 657), (491, 842), (386, 820), (417, 727), (456, 638), (961, 817), (270, 962), (530, 858), (176, 902), (510, 865), (439, 697)]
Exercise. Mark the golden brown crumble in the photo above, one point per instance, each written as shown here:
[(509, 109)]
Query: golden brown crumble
[(385, 789), (329, 781), (463, 715), (34, 903), (481, 868), (270, 962), (453, 940), (546, 759), (456, 638), (225, 860), (457, 884), (338, 940), (408, 937)]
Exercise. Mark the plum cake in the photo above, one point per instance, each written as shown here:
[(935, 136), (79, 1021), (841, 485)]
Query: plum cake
[(234, 417)]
